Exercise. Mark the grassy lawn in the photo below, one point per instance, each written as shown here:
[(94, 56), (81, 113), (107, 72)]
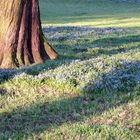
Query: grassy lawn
[(92, 91), (97, 13)]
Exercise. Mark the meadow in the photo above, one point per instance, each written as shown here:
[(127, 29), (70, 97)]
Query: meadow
[(92, 91), (95, 13)]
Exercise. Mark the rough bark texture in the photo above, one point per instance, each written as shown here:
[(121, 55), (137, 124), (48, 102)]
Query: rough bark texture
[(21, 38)]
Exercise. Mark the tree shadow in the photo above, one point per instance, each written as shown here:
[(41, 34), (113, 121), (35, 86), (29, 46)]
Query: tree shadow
[(35, 69), (111, 42), (110, 92), (118, 41), (6, 74), (78, 43)]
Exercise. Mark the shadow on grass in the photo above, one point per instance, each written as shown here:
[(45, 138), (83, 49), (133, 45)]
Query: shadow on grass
[(77, 42), (41, 116), (6, 74), (85, 49), (118, 41)]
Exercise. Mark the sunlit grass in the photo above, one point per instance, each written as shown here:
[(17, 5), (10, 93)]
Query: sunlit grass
[(108, 22)]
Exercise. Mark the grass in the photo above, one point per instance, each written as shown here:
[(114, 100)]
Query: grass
[(92, 91), (95, 13)]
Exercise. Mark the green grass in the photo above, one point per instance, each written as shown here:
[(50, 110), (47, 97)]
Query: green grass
[(92, 91), (96, 13)]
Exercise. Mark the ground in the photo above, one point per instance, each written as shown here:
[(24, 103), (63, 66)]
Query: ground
[(95, 13), (92, 91)]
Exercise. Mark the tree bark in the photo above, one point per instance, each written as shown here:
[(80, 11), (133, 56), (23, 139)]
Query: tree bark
[(21, 38)]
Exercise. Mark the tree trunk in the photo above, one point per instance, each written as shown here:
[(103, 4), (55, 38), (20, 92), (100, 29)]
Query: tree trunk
[(21, 38)]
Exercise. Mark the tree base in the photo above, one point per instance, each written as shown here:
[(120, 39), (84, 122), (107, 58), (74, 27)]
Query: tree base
[(21, 38), (24, 58)]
